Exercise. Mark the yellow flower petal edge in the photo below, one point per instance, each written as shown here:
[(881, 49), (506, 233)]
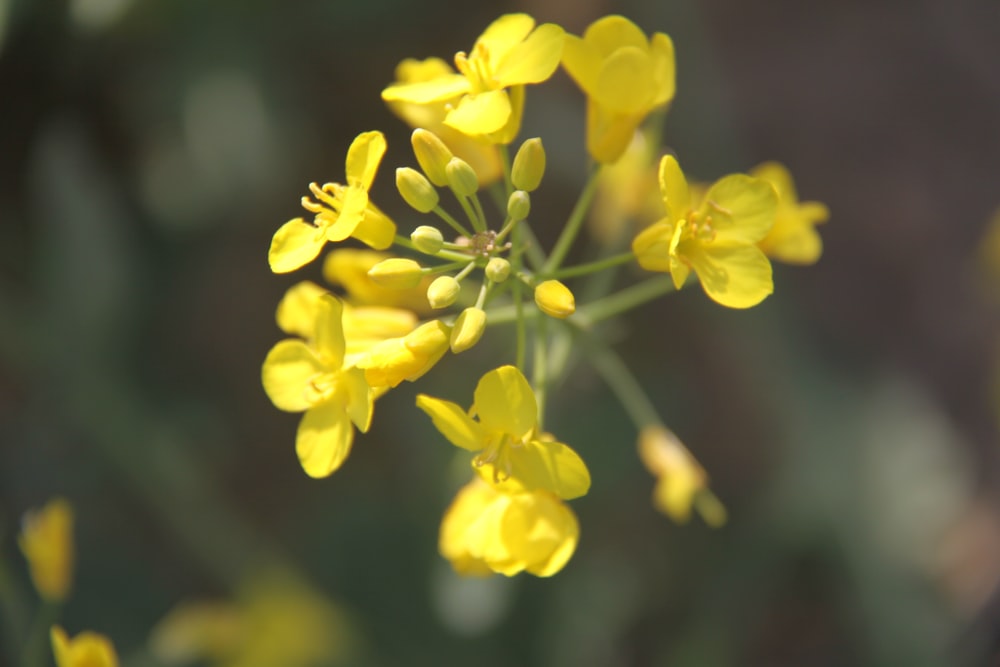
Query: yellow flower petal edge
[(682, 483), (87, 649), (793, 239), (46, 541)]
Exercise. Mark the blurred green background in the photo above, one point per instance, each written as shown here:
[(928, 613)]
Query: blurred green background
[(148, 151)]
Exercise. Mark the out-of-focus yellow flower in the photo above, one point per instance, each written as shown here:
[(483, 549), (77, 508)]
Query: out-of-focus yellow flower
[(628, 193), (487, 531), (311, 377), (482, 155), (47, 543), (408, 357), (348, 268), (513, 455), (681, 482), (793, 239), (341, 212), (87, 649), (489, 84), (624, 75), (718, 239)]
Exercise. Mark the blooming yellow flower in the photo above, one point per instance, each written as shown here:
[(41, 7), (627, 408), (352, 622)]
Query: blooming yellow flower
[(87, 649), (348, 268), (47, 543), (718, 239), (312, 377), (487, 531), (389, 362), (513, 455), (489, 84), (681, 481), (793, 238), (341, 212), (624, 75)]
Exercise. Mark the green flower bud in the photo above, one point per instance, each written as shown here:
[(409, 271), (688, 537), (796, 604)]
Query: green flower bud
[(554, 299), (462, 177), (443, 291), (396, 273), (518, 205), (416, 190), (529, 165), (432, 155), (468, 329), (497, 269), (427, 239)]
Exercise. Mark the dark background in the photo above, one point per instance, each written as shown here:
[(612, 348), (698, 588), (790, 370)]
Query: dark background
[(148, 151)]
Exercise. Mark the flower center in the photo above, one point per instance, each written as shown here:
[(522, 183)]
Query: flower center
[(322, 387)]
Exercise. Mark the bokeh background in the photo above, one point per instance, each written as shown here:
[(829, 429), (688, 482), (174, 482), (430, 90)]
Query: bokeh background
[(149, 149)]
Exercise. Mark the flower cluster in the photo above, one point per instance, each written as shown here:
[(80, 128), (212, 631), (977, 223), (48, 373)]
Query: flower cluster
[(475, 262)]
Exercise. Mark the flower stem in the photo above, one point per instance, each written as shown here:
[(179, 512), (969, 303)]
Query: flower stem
[(405, 242), (593, 267), (572, 228), (626, 299), (539, 367)]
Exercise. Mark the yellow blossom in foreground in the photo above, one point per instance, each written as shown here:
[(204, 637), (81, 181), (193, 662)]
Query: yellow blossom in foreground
[(487, 531), (681, 482), (87, 649), (312, 377), (47, 544), (348, 268), (341, 212), (624, 75), (793, 238), (408, 357), (717, 238), (511, 52), (513, 455)]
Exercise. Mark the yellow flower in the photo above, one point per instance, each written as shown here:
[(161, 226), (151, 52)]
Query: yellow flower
[(718, 239), (487, 531), (47, 543), (341, 212), (348, 268), (87, 649), (681, 481), (389, 362), (513, 455), (312, 377), (624, 75), (628, 195), (511, 52), (794, 238)]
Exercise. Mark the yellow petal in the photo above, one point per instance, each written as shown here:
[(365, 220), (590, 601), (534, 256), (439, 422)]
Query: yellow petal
[(296, 314), (453, 423), (330, 331), (505, 402), (480, 114), (533, 60), (295, 244), (793, 239), (540, 465), (674, 188), (652, 247), (360, 399), (445, 87), (375, 230), (625, 81), (47, 544), (664, 68), (582, 62), (742, 208), (466, 527), (287, 372), (541, 531), (363, 158), (324, 439), (501, 36), (609, 133), (610, 33), (777, 175), (87, 649), (736, 276), (352, 212)]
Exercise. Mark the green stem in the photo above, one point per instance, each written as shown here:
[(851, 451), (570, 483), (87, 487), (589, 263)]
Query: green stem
[(441, 254), (469, 212), (36, 646), (452, 222), (480, 213), (593, 267), (626, 299), (572, 228), (538, 368), (15, 610)]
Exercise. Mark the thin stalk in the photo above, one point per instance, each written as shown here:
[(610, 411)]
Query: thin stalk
[(539, 370), (480, 214), (626, 299), (572, 228), (593, 267), (452, 222), (405, 241)]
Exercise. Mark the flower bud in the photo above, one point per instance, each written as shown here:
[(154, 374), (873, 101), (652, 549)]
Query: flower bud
[(443, 291), (427, 239), (529, 165), (396, 273), (432, 155), (462, 177), (518, 205), (468, 329), (497, 269), (416, 190), (554, 299)]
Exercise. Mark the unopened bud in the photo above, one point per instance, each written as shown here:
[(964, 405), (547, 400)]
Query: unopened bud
[(462, 177), (396, 273), (427, 239), (468, 329), (518, 205), (497, 269), (554, 299), (529, 165), (416, 190), (432, 155), (443, 291)]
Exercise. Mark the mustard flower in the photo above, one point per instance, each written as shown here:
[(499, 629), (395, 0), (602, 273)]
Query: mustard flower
[(513, 455), (489, 84), (681, 482), (717, 239), (793, 238), (388, 363), (485, 531), (47, 544), (341, 212), (87, 649), (348, 268), (311, 377), (624, 75)]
